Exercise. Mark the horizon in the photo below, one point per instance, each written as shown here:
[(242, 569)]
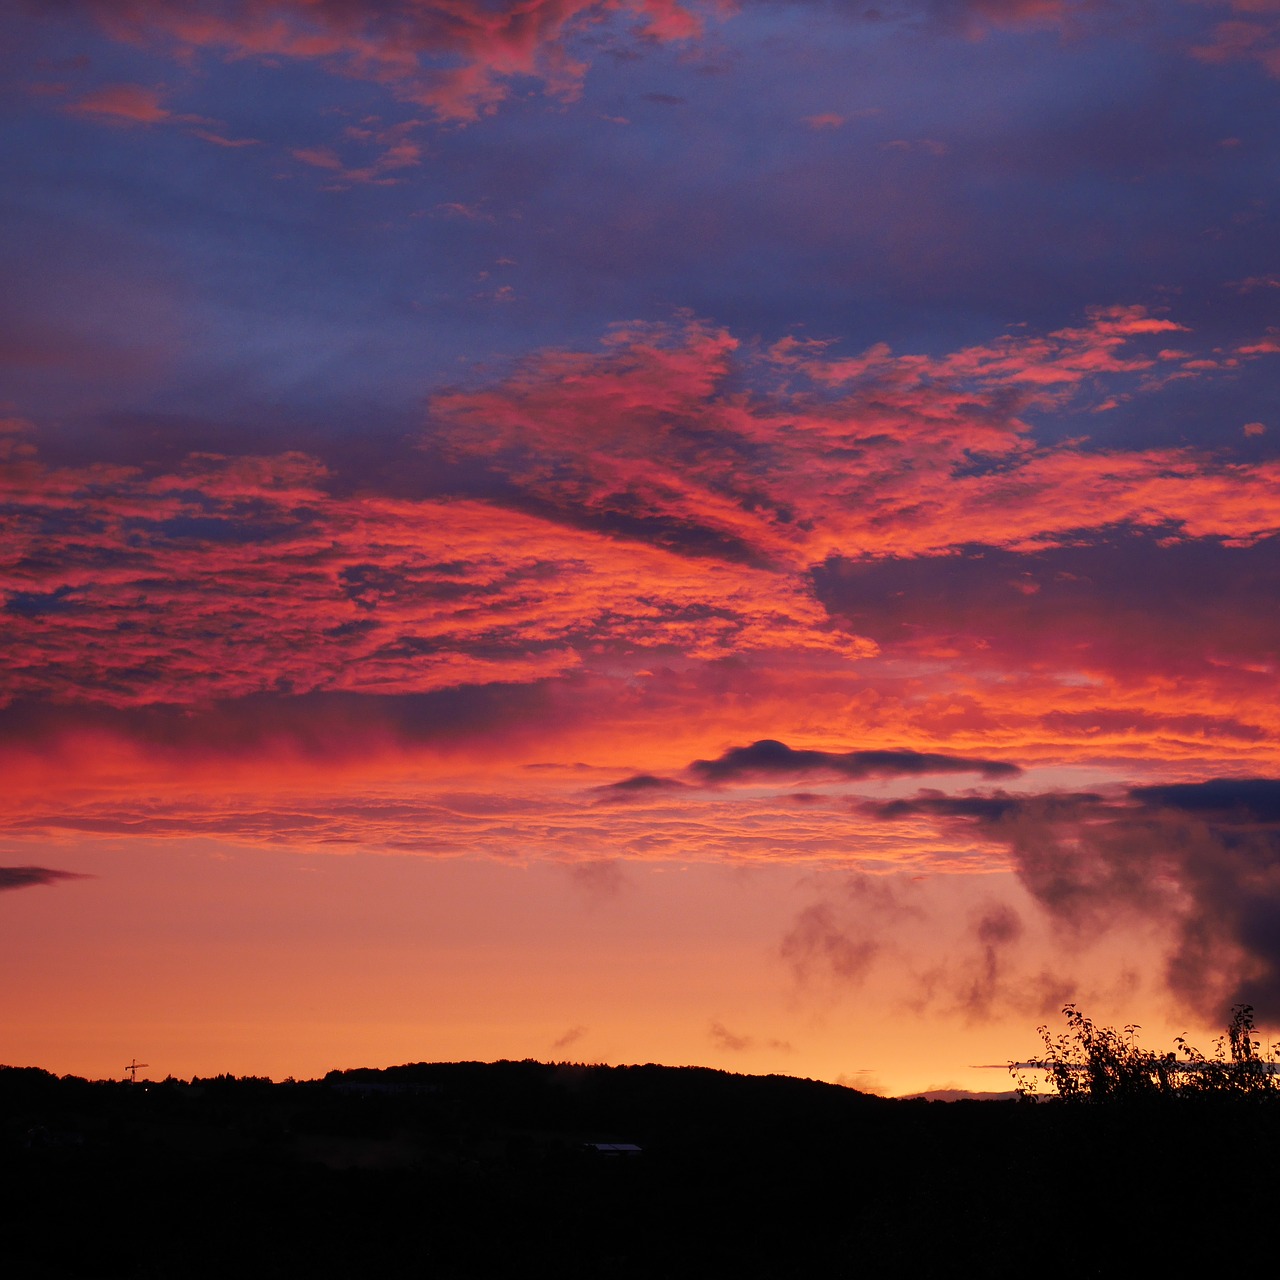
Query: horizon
[(743, 534), (575, 1064)]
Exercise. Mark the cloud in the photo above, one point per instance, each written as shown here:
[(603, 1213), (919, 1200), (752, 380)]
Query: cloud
[(636, 787), (453, 209), (136, 104), (676, 434), (232, 143), (998, 927), (233, 577), (644, 528), (1252, 283), (723, 1038), (975, 19), (988, 980), (570, 1037), (1270, 345), (768, 759), (312, 724), (392, 147), (929, 146), (1223, 800), (458, 58), (124, 104), (819, 942), (1251, 34), (25, 877), (1075, 626), (1201, 860), (600, 877), (730, 1042), (643, 782), (984, 808), (837, 939)]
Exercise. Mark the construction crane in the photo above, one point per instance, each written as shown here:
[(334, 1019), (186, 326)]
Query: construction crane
[(133, 1068)]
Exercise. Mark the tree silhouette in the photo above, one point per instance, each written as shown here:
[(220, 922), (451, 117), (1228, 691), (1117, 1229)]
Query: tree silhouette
[(1092, 1063)]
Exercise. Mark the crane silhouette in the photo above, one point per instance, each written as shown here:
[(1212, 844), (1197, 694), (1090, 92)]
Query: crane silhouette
[(133, 1068)]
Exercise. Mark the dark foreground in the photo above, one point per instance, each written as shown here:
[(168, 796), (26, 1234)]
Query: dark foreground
[(466, 1169)]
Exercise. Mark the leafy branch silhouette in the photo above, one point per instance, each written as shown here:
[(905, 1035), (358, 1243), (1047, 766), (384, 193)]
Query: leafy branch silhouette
[(1099, 1064)]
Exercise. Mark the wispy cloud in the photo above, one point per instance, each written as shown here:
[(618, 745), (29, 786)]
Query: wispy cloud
[(570, 1037), (123, 104), (27, 877), (458, 59)]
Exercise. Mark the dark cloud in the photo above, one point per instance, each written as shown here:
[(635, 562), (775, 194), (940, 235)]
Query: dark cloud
[(1201, 859), (600, 877), (572, 1036), (317, 726), (32, 604), (769, 758), (1126, 604), (1222, 800), (25, 877), (993, 808), (640, 784)]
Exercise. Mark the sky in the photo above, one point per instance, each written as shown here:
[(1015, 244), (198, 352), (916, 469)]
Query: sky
[(738, 534)]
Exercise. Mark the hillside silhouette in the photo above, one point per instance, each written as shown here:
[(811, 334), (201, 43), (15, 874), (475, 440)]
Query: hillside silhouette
[(473, 1169)]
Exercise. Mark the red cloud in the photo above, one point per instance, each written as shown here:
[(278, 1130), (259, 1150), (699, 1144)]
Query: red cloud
[(237, 576), (454, 57), (394, 150), (1253, 35), (875, 456), (123, 103), (694, 539), (643, 463), (976, 17)]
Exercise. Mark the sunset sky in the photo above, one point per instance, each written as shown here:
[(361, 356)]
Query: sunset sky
[(740, 534)]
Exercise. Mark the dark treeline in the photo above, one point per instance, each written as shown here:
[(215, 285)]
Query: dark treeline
[(470, 1169)]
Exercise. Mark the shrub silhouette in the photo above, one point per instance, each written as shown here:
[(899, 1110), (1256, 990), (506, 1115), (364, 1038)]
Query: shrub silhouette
[(1091, 1063)]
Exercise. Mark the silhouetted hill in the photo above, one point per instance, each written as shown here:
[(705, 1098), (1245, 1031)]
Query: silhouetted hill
[(474, 1169)]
